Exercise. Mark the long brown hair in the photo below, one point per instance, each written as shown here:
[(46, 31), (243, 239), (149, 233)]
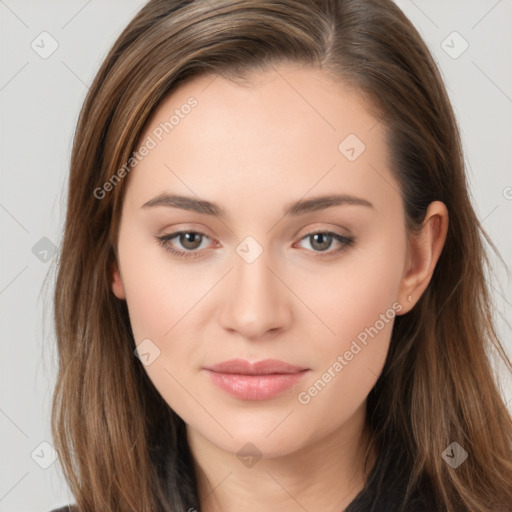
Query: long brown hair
[(120, 445)]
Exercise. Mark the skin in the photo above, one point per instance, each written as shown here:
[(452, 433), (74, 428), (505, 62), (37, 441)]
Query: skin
[(254, 149)]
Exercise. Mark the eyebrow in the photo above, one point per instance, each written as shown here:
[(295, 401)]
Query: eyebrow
[(300, 207)]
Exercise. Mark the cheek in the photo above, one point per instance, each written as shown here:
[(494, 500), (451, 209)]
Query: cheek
[(161, 303), (353, 295), (359, 305), (159, 294)]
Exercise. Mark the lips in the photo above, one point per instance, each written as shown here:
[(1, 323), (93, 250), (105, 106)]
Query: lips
[(265, 367), (261, 380)]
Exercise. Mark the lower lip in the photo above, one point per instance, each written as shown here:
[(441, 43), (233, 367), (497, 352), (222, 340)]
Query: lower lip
[(256, 387)]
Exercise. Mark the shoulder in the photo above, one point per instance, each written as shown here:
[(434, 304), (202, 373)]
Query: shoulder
[(67, 508)]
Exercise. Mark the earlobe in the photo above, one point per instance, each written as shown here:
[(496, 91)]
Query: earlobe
[(424, 249), (117, 284)]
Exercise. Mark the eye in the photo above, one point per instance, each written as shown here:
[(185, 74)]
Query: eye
[(322, 241), (189, 240)]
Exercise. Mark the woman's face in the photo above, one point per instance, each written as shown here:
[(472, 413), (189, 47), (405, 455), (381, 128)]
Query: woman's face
[(248, 175)]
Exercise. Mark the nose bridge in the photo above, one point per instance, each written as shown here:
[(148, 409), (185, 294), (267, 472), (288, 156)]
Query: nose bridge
[(256, 301)]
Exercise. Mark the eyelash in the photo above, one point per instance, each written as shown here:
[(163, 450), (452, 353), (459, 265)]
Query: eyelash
[(345, 242)]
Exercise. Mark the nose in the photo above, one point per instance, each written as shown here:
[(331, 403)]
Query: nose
[(256, 301)]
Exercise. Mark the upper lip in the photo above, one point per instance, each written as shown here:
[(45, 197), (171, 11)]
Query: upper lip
[(264, 367)]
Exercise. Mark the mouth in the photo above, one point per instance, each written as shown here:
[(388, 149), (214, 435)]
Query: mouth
[(261, 380), (265, 367)]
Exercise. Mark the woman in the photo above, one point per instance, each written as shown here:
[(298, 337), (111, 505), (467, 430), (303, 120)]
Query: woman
[(271, 290)]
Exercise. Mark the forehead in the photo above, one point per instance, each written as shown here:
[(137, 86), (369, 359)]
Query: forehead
[(275, 99), (287, 129)]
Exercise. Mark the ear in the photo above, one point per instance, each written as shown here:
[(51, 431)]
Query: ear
[(117, 284), (424, 249)]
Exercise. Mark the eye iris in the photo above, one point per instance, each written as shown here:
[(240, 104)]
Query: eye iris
[(190, 238), (321, 238)]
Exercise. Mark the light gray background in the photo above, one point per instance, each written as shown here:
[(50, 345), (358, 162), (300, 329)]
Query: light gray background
[(39, 104)]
